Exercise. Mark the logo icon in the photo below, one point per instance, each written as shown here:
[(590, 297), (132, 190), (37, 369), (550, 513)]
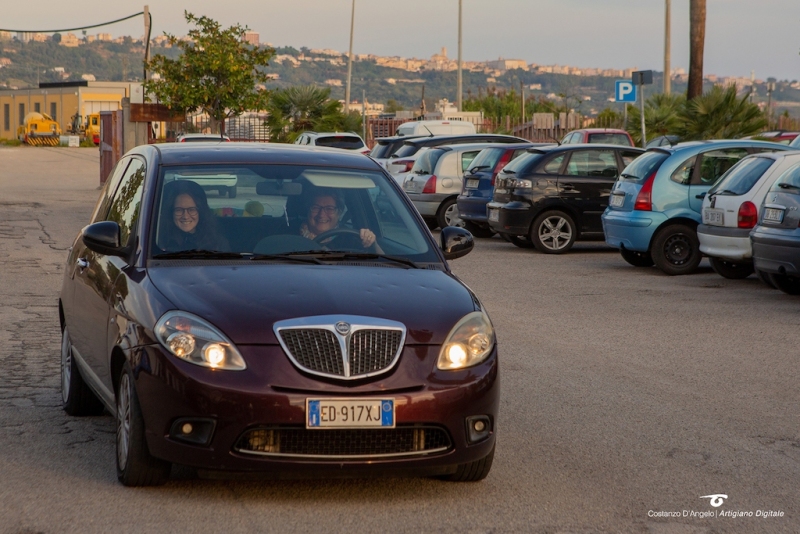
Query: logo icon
[(717, 499), (343, 328), (624, 91)]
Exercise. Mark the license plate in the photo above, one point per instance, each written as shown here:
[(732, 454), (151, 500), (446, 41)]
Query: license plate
[(408, 185), (773, 214), (494, 215), (472, 184), (713, 216), (617, 200), (349, 413)]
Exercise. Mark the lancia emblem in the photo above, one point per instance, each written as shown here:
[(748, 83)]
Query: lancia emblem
[(343, 328)]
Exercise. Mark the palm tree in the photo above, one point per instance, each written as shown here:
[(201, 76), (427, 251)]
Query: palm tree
[(697, 37), (720, 114), (297, 109), (661, 116)]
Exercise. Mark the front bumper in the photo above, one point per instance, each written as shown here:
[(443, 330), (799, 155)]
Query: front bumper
[(776, 252), (632, 230), (514, 218), (725, 242), (272, 393)]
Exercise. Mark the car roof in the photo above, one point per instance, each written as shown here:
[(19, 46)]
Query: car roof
[(718, 143), (333, 134), (396, 138), (249, 153), (472, 146), (442, 139), (580, 146), (602, 130)]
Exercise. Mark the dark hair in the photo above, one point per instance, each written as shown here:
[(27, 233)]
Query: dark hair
[(205, 235), (325, 192)]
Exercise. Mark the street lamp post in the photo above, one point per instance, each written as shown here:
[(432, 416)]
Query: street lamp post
[(459, 89), (349, 61), (667, 67)]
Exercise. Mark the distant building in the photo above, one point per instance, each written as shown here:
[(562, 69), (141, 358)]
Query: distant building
[(90, 38), (251, 37), (70, 40), (88, 77), (333, 83), (4, 62), (507, 64), (104, 37), (40, 38), (5, 36)]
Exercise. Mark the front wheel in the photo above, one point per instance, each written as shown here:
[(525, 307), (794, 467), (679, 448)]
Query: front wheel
[(676, 249), (472, 471), (135, 465), (731, 270), (636, 258), (788, 284), (553, 232), (448, 214)]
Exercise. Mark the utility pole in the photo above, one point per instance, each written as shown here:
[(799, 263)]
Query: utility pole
[(364, 114), (770, 88), (458, 89), (349, 61), (667, 67), (147, 39), (522, 91)]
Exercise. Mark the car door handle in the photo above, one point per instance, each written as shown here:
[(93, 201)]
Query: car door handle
[(567, 187), (701, 196), (82, 263)]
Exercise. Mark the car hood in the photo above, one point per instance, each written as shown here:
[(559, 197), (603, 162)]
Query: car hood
[(244, 301)]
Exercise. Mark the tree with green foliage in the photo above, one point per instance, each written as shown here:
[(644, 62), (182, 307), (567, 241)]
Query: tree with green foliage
[(298, 109), (216, 73), (392, 106), (662, 116), (496, 105), (720, 114)]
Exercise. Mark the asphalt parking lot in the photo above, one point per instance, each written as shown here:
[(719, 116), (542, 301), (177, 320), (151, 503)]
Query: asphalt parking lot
[(627, 396)]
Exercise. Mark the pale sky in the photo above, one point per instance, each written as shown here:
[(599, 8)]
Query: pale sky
[(741, 35)]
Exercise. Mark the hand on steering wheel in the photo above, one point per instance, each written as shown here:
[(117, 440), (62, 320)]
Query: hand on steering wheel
[(366, 237)]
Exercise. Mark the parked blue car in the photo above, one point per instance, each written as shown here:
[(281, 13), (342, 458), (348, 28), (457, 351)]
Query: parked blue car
[(656, 204)]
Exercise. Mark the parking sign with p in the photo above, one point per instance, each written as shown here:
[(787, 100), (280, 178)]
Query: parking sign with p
[(624, 91)]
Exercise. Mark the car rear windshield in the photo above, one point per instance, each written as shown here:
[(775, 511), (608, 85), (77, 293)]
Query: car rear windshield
[(408, 149), (487, 159), (742, 177), (644, 166), (340, 141), (789, 181), (381, 150), (610, 139), (427, 161), (523, 163)]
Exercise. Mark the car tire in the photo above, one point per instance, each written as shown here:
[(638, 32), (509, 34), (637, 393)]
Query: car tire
[(77, 398), (553, 232), (636, 258), (232, 191), (448, 214), (520, 241), (788, 284), (135, 465), (477, 230), (472, 471), (731, 270), (676, 249), (431, 223), (764, 277)]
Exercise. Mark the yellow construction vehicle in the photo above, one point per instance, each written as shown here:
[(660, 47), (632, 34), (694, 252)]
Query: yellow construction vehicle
[(93, 128), (39, 129)]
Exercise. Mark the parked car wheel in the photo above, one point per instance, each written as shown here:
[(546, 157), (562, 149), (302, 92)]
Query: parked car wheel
[(477, 230), (76, 396), (135, 466), (473, 471), (553, 232), (731, 270), (787, 284), (448, 214), (431, 223), (764, 277), (232, 191), (636, 258), (676, 249)]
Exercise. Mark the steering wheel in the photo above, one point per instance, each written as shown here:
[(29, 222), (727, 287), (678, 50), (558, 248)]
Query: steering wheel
[(347, 234)]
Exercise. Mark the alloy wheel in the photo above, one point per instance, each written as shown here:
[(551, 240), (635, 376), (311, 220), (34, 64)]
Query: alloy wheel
[(123, 420), (555, 232), (66, 365), (451, 216)]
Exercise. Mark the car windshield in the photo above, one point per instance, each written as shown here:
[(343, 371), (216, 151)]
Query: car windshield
[(610, 139), (427, 161), (742, 176), (644, 166), (789, 181), (283, 209), (487, 159), (340, 141)]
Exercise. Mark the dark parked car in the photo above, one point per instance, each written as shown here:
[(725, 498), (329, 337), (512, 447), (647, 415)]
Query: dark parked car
[(553, 195), (776, 238), (311, 325), (386, 146), (478, 185)]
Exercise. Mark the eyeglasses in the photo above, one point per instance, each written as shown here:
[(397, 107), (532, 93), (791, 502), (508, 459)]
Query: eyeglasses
[(192, 212), (329, 210)]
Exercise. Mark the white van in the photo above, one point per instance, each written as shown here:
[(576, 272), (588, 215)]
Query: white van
[(448, 127)]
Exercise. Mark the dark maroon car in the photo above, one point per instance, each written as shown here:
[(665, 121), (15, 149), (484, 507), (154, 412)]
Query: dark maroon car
[(311, 325)]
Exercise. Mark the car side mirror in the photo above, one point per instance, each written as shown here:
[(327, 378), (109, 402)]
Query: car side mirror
[(103, 238), (701, 196), (456, 242)]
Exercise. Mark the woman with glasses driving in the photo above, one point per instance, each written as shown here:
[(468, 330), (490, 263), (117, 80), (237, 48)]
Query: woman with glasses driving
[(188, 223), (323, 215)]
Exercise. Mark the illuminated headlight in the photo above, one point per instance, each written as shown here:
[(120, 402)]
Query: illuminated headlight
[(522, 184), (194, 340), (469, 343)]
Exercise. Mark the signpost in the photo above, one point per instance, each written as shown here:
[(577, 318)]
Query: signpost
[(642, 78), (624, 91)]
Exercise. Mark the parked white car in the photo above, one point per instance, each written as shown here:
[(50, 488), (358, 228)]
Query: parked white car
[(441, 127), (435, 181), (346, 141), (731, 210)]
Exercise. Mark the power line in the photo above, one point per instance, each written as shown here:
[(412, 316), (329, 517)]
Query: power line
[(75, 29)]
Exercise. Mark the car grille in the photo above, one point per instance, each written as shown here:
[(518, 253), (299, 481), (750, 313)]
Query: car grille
[(344, 443), (347, 347)]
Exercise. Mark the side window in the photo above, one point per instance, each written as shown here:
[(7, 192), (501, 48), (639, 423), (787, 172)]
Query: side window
[(448, 165), (127, 200), (592, 163), (466, 159), (112, 182), (683, 174), (716, 163), (554, 165), (518, 152), (628, 156)]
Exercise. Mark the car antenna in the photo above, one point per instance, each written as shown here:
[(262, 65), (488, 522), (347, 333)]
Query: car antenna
[(554, 139), (429, 130)]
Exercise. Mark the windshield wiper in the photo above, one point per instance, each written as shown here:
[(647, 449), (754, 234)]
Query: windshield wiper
[(788, 186), (508, 172), (629, 176), (475, 169), (337, 255), (289, 257), (198, 253)]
